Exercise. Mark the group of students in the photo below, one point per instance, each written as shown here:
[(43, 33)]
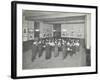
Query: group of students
[(54, 46)]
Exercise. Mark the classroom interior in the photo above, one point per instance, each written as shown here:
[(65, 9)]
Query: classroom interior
[(56, 26)]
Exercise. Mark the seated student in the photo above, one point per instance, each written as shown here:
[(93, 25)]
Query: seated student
[(34, 50)]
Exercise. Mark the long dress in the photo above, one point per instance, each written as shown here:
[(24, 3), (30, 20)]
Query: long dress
[(40, 49), (56, 53), (34, 52), (64, 51), (48, 51)]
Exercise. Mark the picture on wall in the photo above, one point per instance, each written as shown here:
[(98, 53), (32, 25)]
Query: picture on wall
[(53, 39)]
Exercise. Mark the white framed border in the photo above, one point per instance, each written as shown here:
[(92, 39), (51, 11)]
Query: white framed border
[(36, 72)]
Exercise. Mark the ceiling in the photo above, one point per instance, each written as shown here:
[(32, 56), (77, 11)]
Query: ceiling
[(52, 17)]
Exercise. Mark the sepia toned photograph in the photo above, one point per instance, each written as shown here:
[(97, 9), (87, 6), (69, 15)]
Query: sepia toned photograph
[(53, 39)]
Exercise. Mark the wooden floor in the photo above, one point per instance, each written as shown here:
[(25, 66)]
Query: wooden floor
[(77, 60)]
